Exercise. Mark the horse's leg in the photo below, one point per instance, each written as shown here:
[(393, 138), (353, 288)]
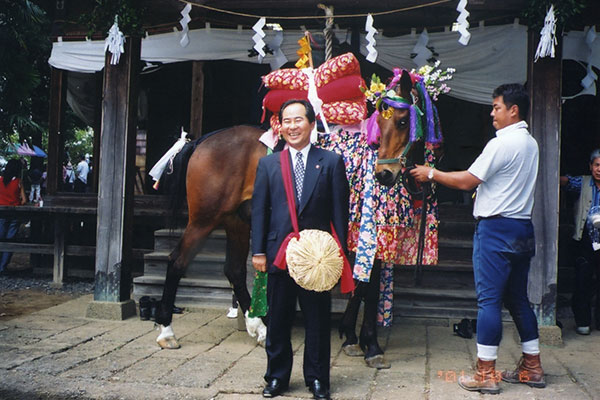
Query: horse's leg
[(368, 331), (348, 326), (179, 259), (238, 244)]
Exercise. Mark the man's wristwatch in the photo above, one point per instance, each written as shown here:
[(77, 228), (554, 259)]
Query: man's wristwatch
[(430, 175)]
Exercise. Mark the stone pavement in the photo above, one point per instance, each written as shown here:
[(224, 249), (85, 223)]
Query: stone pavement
[(58, 354)]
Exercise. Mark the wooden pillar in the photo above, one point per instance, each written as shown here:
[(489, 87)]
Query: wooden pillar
[(59, 250), (56, 142), (197, 103), (116, 179), (544, 85)]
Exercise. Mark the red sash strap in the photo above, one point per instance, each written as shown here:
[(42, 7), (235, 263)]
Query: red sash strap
[(280, 262)]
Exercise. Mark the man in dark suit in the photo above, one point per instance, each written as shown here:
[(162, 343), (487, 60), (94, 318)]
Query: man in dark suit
[(321, 190)]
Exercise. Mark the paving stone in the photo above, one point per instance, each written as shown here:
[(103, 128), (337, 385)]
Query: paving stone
[(23, 336), (57, 353), (394, 385), (75, 308)]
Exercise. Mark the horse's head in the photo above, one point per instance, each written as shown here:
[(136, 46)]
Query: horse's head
[(397, 119)]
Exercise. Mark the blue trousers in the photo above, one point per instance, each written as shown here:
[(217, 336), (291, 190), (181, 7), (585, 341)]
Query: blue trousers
[(8, 230), (502, 251)]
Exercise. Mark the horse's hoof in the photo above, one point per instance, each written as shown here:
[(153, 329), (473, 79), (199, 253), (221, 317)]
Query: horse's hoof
[(168, 343), (166, 339), (353, 350), (377, 362)]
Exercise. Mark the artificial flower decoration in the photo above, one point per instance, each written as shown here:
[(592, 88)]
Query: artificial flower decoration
[(375, 89), (434, 79)]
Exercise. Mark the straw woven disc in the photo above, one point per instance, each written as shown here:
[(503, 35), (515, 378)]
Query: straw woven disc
[(314, 260)]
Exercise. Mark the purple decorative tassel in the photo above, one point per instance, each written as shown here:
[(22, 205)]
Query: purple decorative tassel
[(413, 124), (373, 131)]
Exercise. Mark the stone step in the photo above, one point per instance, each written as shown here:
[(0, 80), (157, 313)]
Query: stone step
[(209, 292), (455, 313), (456, 229), (167, 239), (155, 263), (441, 276)]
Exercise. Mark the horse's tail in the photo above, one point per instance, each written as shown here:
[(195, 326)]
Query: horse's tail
[(173, 183)]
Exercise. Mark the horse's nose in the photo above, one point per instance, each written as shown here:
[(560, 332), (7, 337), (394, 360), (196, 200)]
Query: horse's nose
[(385, 177)]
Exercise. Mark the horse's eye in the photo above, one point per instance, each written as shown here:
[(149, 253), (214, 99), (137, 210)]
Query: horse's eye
[(374, 146), (402, 123)]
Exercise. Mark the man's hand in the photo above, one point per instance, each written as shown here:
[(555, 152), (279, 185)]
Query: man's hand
[(259, 262), (420, 173)]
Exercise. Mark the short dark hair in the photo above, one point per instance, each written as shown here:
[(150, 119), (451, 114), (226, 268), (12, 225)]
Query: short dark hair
[(11, 170), (310, 111), (514, 94)]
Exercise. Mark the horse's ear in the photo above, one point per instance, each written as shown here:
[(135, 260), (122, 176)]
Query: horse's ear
[(405, 84)]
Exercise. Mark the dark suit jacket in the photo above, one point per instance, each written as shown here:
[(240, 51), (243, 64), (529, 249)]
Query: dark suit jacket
[(324, 200)]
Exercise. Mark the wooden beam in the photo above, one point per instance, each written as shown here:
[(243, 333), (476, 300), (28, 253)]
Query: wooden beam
[(116, 176), (197, 103), (544, 85), (56, 143)]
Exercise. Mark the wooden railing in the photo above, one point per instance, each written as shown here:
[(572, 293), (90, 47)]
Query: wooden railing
[(64, 207)]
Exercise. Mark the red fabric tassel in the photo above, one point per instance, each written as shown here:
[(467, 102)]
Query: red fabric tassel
[(347, 285), (280, 261)]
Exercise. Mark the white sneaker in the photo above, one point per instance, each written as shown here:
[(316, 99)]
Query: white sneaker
[(233, 312), (583, 330)]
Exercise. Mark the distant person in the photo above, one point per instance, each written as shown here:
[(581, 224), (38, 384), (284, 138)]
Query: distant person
[(587, 245), (35, 177), (44, 183), (11, 194), (68, 177), (81, 174)]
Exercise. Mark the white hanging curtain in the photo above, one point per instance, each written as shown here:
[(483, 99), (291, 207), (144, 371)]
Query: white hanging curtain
[(494, 55)]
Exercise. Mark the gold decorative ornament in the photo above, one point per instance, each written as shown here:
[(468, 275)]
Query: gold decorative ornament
[(387, 114)]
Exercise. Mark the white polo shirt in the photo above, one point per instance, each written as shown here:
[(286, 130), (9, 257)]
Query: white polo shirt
[(508, 169)]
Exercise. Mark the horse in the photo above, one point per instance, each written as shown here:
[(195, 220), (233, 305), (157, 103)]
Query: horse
[(398, 147), (219, 180)]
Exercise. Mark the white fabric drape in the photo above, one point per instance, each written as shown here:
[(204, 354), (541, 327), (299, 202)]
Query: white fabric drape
[(495, 54), (204, 44)]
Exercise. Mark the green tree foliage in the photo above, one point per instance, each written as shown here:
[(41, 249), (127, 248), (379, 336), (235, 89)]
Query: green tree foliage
[(565, 11), (24, 51), (102, 15)]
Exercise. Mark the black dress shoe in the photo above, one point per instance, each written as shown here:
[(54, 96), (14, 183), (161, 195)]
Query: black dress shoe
[(318, 390), (177, 310), (274, 388), (153, 308), (144, 303)]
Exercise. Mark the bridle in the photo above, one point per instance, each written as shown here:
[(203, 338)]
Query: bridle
[(399, 103), (398, 160)]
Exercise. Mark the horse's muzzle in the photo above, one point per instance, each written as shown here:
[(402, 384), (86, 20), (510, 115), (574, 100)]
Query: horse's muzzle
[(386, 177)]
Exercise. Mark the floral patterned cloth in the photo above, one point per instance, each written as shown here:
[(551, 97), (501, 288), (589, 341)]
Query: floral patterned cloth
[(384, 223)]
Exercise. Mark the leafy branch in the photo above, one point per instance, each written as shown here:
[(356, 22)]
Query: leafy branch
[(101, 18), (535, 12)]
